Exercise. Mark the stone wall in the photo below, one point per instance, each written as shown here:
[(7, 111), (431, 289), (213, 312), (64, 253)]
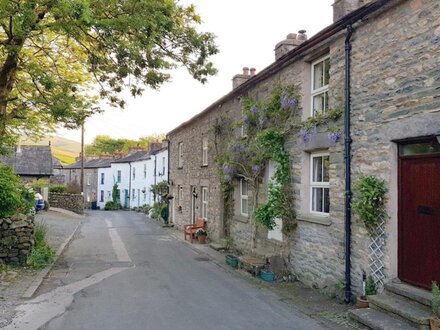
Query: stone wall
[(16, 238), (71, 202)]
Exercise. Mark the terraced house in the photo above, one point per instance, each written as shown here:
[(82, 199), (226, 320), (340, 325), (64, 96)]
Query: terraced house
[(368, 106)]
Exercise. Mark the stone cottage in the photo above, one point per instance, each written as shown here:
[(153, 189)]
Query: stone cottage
[(30, 162), (378, 64)]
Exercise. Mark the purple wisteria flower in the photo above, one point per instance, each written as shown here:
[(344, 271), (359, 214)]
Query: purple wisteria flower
[(228, 169), (238, 148), (254, 109), (227, 178), (307, 134), (287, 102), (247, 119), (334, 136), (256, 169)]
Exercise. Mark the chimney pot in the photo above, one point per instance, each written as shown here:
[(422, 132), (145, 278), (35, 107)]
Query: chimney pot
[(291, 36), (253, 72), (302, 36), (246, 71)]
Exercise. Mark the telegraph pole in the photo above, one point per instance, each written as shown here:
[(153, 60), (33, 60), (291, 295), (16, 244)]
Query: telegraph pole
[(82, 159)]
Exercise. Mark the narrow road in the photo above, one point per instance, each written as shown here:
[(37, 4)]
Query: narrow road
[(125, 272)]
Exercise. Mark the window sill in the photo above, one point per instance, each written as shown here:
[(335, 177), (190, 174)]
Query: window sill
[(241, 218), (320, 220), (204, 165), (179, 167)]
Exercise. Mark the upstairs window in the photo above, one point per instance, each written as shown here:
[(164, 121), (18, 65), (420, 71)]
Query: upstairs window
[(119, 176), (145, 171), (163, 165), (102, 178), (180, 155), (320, 81), (134, 173), (319, 184), (205, 151)]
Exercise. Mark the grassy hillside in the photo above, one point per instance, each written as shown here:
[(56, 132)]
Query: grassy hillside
[(63, 149)]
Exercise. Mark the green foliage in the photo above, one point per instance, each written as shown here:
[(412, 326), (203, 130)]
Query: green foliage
[(146, 208), (370, 286), (104, 144), (161, 189), (321, 118), (368, 201), (14, 197), (201, 232), (435, 299), (158, 210), (55, 54), (60, 189), (115, 194), (42, 254), (40, 183), (111, 206), (229, 242)]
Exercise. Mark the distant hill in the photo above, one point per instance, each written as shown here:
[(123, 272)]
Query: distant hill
[(63, 149)]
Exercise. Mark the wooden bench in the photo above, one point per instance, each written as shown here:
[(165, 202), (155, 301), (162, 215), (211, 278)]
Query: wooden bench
[(190, 230)]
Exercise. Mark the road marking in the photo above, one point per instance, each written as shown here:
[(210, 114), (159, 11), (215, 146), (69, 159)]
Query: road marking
[(117, 244), (37, 312)]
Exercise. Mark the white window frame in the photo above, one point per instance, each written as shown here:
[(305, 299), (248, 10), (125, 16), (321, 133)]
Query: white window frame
[(205, 203), (317, 184), (179, 195), (119, 176), (101, 196), (102, 178), (244, 197), (163, 166), (243, 125), (88, 179), (134, 173), (180, 155), (318, 91), (205, 151), (145, 171)]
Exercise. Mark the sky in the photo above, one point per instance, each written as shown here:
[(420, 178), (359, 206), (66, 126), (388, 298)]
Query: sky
[(247, 32)]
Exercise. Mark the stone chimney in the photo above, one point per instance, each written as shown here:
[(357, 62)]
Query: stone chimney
[(292, 41), (344, 7), (239, 79), (154, 146)]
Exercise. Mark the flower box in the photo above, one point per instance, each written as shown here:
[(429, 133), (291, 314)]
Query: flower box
[(231, 260), (267, 276)]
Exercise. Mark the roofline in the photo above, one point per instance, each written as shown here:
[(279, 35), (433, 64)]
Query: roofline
[(290, 57)]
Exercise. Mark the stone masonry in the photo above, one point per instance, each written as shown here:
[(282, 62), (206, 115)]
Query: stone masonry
[(395, 95), (71, 202), (16, 238)]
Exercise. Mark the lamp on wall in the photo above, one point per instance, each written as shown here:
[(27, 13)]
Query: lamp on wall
[(437, 136), (194, 193)]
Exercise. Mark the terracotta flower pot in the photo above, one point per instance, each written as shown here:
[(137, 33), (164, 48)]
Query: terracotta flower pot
[(201, 239), (362, 302), (435, 323)]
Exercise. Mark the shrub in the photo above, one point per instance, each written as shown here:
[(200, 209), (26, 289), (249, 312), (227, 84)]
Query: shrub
[(370, 286), (435, 299), (40, 183), (58, 189), (42, 254), (14, 198), (110, 205), (158, 210), (146, 208)]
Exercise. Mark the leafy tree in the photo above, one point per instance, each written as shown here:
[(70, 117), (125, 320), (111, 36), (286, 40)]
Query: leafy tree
[(58, 56), (104, 144)]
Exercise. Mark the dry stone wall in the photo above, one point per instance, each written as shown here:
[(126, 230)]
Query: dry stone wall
[(70, 202), (16, 238)]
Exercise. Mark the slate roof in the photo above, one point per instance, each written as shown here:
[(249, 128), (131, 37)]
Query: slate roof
[(91, 163), (134, 157), (30, 160)]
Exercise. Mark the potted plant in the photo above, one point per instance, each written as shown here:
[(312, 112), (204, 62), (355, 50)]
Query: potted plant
[(201, 235), (435, 321), (369, 289)]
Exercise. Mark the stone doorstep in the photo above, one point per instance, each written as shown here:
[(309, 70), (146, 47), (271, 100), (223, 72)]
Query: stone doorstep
[(415, 313), (422, 296), (377, 320)]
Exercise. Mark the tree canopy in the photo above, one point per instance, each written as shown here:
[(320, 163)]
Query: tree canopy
[(58, 57), (106, 145)]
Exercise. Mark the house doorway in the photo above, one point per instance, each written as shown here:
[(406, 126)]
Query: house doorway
[(419, 212), (193, 204)]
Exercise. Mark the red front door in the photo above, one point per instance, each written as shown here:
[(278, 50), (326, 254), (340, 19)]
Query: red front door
[(419, 219)]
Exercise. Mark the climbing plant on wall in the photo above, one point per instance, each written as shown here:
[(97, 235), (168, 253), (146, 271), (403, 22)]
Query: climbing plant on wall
[(265, 126)]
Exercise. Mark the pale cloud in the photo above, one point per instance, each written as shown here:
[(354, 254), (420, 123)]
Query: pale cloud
[(247, 32)]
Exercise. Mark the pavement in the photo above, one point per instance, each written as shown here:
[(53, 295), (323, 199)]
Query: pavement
[(122, 270), (18, 283)]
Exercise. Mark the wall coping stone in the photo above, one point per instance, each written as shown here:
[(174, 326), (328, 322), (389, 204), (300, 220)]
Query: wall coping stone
[(240, 218)]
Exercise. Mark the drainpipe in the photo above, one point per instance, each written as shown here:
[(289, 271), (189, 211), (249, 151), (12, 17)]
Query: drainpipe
[(347, 157), (155, 173), (129, 187)]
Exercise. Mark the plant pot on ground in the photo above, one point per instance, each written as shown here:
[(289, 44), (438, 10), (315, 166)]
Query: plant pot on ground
[(201, 235), (435, 321), (369, 290)]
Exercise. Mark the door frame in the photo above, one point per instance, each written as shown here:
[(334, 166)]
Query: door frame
[(400, 143)]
